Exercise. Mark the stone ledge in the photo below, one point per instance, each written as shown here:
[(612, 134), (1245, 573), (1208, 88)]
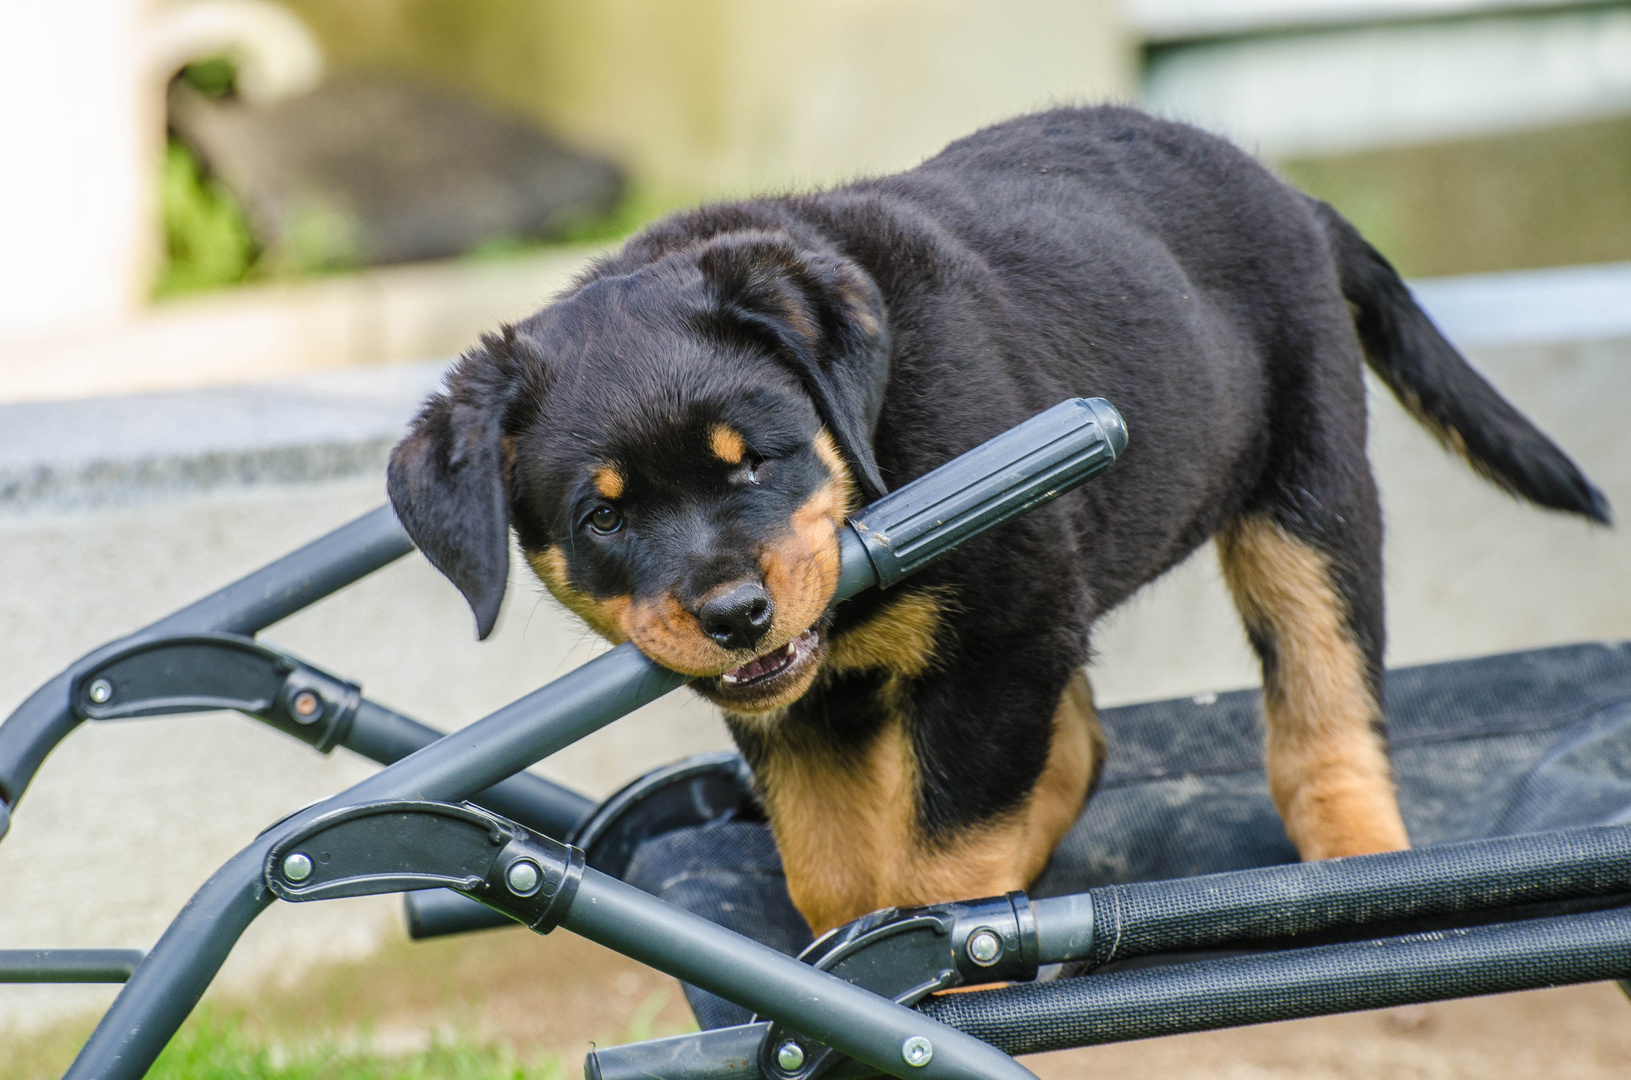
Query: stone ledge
[(342, 424), (101, 451)]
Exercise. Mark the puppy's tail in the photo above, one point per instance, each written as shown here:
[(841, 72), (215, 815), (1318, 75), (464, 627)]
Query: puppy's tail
[(1442, 391)]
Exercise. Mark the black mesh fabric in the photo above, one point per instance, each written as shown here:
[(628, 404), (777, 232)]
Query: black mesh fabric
[(728, 872), (1496, 746), (1029, 1018)]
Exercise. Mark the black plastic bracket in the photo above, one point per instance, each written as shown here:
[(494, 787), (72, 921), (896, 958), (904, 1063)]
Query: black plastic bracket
[(698, 790), (203, 672), (400, 845), (905, 954)]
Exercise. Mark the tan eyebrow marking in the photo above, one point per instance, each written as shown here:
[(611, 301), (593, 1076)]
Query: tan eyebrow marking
[(608, 481), (727, 444)]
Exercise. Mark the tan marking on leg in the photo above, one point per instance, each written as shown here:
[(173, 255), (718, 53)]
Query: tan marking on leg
[(847, 825), (607, 480), (1327, 770), (605, 617), (1075, 759), (727, 444), (841, 822)]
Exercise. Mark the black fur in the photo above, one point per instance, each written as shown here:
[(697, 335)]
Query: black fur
[(1430, 377), (1073, 252)]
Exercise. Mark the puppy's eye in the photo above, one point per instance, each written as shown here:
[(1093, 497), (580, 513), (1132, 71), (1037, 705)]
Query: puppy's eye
[(605, 520), (755, 469)]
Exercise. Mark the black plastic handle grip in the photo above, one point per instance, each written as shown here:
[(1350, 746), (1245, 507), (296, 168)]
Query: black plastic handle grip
[(1021, 469)]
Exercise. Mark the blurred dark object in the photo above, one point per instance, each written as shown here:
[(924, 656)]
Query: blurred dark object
[(1556, 196), (366, 171)]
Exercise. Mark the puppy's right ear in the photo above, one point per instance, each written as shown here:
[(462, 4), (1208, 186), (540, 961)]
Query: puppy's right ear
[(448, 479)]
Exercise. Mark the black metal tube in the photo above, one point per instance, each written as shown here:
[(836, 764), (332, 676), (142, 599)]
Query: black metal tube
[(247, 606), (1279, 904), (721, 1054), (1018, 470), (169, 983), (162, 991), (68, 965), (854, 1021), (1064, 928), (388, 737), (437, 912), (1117, 1006)]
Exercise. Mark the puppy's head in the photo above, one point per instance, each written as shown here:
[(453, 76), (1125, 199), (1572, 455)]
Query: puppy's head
[(675, 448)]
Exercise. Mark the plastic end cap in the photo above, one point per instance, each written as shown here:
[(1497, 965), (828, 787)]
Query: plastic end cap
[(1114, 427)]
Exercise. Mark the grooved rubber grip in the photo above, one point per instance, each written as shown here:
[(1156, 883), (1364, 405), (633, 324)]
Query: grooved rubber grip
[(1021, 469)]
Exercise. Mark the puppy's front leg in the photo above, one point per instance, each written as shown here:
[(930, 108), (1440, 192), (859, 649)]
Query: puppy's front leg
[(849, 822)]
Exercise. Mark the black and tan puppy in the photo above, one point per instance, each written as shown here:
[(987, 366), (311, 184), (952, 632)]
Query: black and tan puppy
[(675, 441)]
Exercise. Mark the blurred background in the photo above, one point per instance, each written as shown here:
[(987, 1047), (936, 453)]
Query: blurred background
[(177, 168), (240, 239)]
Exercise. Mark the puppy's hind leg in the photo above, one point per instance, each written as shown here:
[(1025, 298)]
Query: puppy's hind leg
[(1312, 607)]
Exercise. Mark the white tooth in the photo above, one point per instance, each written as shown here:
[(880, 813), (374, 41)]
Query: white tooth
[(729, 679)]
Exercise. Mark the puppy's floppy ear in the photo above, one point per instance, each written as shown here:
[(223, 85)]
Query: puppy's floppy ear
[(824, 315), (448, 479)]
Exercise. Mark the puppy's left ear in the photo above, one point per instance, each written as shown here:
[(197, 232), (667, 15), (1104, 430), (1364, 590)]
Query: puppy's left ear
[(448, 480), (824, 316)]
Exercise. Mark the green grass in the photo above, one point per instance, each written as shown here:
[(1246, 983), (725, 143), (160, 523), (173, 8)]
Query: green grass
[(207, 243), (222, 1044), (507, 1005)]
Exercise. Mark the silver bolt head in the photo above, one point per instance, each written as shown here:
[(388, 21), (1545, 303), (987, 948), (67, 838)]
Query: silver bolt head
[(101, 691), (523, 876), (917, 1051), (297, 866), (790, 1056), (984, 946)]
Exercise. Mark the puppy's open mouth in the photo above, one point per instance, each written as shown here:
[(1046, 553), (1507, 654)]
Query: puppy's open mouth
[(771, 664), (769, 676)]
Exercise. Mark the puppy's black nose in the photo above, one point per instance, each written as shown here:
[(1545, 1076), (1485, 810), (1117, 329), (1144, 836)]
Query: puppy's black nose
[(737, 619)]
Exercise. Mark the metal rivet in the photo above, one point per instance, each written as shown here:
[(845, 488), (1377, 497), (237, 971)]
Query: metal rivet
[(522, 877), (984, 946), (306, 704), (101, 691), (917, 1051), (297, 866), (790, 1056)]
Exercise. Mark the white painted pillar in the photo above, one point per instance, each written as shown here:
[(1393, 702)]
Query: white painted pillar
[(78, 132)]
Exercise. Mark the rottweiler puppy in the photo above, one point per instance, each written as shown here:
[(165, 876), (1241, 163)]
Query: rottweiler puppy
[(675, 440)]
